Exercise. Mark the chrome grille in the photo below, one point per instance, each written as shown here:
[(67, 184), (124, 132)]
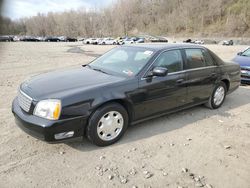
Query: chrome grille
[(24, 101)]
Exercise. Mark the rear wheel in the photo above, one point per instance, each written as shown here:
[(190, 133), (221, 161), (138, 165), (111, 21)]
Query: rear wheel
[(218, 96), (107, 125)]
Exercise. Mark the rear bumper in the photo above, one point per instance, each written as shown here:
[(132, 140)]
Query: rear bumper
[(46, 129)]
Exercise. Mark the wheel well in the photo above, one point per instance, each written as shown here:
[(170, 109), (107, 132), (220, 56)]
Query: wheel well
[(128, 107), (227, 83)]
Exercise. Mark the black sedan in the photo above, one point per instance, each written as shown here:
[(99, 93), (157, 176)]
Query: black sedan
[(127, 85), (5, 38), (52, 39)]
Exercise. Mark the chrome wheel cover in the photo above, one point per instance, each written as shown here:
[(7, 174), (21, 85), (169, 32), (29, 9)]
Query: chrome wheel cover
[(110, 125), (219, 95)]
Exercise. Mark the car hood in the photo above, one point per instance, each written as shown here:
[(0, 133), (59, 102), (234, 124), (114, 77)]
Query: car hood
[(56, 85), (243, 61)]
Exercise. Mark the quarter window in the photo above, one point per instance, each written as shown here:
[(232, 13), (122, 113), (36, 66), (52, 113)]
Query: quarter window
[(172, 60)]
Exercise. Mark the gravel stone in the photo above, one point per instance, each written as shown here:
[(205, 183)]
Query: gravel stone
[(102, 157), (149, 175), (98, 167), (209, 186), (164, 173), (184, 170), (196, 179), (145, 172), (124, 180), (199, 184), (228, 147), (111, 177), (132, 171)]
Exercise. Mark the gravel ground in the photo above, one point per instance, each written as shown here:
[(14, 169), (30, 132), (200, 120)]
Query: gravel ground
[(192, 148)]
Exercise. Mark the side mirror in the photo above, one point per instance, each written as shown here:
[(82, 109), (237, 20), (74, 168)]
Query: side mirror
[(240, 53), (158, 71)]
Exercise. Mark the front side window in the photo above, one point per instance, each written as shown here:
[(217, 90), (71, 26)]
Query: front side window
[(197, 58), (172, 60)]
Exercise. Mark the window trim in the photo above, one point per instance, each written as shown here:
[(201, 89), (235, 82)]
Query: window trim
[(184, 62)]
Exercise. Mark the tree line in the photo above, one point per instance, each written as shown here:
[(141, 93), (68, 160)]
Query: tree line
[(133, 17)]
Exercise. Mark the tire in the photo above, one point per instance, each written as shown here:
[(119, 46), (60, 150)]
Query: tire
[(214, 103), (98, 130)]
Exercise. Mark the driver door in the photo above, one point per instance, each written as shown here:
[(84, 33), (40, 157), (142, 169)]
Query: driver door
[(162, 94)]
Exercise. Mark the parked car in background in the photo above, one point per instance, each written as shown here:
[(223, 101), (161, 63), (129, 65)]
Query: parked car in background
[(91, 41), (16, 38), (198, 42), (158, 39), (140, 40), (127, 41), (51, 39), (6, 38), (188, 41), (127, 85), (228, 42), (109, 41), (67, 39), (29, 39), (194, 41), (243, 59), (81, 39)]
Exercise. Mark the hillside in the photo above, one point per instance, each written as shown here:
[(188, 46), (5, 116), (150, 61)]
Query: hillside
[(156, 17)]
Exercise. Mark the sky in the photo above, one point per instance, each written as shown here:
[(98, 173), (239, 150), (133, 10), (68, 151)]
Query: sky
[(16, 9)]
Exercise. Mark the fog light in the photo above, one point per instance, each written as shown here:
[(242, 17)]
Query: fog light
[(64, 135)]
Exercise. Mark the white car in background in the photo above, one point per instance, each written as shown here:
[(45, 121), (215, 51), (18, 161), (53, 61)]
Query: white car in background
[(109, 41), (199, 42), (91, 41), (127, 41)]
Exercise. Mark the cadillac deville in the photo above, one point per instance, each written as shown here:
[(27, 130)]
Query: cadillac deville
[(125, 86)]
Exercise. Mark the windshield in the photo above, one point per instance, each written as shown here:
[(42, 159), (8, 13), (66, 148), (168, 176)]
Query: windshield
[(246, 53), (127, 61)]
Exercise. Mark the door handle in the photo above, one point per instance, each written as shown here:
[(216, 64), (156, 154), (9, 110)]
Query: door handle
[(179, 81)]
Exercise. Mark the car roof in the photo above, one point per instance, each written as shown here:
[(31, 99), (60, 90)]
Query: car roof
[(164, 46)]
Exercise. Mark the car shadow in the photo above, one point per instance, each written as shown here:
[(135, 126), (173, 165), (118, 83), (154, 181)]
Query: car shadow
[(173, 121)]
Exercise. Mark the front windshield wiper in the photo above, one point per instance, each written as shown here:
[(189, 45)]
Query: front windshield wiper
[(100, 70), (96, 69), (245, 55)]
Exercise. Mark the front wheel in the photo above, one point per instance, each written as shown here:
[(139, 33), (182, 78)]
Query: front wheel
[(107, 125), (218, 96)]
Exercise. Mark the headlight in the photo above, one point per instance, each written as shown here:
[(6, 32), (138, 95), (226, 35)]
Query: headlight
[(48, 109)]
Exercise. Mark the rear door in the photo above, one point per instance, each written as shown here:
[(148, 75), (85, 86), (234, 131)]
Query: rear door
[(201, 75)]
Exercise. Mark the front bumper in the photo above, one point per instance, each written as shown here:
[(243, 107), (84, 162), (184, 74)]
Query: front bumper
[(245, 75), (245, 80), (44, 129)]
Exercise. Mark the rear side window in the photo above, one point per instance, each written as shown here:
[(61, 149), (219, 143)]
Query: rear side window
[(172, 60), (197, 58)]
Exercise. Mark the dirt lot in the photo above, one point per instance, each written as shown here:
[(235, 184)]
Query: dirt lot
[(213, 146)]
